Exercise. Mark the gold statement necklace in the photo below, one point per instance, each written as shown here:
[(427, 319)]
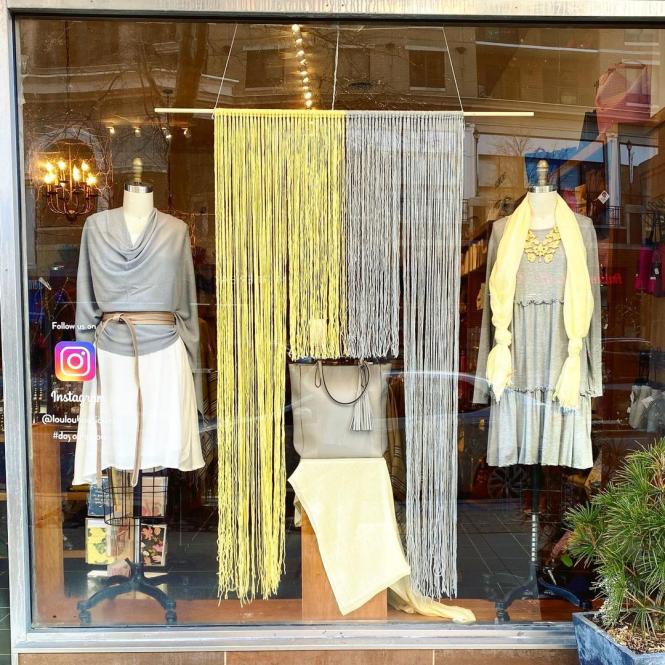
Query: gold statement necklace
[(544, 251)]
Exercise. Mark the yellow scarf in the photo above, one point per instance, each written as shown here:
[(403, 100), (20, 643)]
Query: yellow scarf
[(577, 300)]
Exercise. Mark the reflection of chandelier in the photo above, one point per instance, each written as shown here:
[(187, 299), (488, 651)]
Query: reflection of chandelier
[(70, 188)]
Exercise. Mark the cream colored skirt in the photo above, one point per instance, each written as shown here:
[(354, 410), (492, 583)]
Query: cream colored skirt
[(170, 421)]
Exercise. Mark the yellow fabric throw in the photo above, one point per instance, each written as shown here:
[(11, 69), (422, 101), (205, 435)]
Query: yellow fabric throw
[(577, 305), (279, 203), (402, 597), (349, 503)]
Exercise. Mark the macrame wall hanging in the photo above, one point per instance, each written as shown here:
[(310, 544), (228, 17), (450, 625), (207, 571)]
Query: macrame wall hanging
[(373, 191), (306, 201), (431, 238)]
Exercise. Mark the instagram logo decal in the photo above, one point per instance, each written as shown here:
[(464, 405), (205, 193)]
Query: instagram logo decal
[(75, 361)]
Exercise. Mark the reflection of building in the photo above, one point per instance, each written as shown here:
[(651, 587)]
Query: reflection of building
[(103, 91), (73, 85)]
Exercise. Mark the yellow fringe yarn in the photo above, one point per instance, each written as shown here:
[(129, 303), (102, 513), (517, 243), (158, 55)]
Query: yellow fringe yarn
[(317, 237), (279, 201), (251, 220)]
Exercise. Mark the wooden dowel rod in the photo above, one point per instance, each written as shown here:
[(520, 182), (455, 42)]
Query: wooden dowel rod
[(472, 114)]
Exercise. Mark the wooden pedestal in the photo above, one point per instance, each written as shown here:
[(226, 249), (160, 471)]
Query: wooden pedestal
[(318, 600)]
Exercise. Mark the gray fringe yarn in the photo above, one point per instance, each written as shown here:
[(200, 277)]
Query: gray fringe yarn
[(373, 174), (431, 227)]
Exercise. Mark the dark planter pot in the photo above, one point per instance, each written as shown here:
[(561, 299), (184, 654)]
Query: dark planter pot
[(595, 646)]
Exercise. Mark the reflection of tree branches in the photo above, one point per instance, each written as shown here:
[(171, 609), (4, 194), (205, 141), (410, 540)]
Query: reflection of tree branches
[(152, 96), (145, 74), (94, 108), (513, 146)]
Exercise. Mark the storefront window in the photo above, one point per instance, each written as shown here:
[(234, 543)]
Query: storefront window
[(93, 145)]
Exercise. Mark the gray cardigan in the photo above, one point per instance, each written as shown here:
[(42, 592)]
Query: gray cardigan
[(156, 273)]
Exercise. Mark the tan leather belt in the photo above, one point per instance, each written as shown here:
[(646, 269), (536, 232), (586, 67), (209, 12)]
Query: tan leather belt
[(131, 320)]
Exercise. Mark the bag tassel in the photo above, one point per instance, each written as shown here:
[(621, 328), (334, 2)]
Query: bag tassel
[(362, 415), (362, 409)]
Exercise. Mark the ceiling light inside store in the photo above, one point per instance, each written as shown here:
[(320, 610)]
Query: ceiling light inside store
[(111, 130), (295, 27), (309, 103), (69, 186), (137, 131), (300, 53), (299, 42), (308, 95), (186, 132)]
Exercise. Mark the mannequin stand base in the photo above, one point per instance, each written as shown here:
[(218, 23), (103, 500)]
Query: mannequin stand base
[(533, 587), (118, 585)]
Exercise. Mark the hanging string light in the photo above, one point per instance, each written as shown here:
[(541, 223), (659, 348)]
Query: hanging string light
[(303, 71)]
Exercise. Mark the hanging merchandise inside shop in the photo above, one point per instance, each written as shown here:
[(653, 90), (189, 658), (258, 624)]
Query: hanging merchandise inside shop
[(333, 322)]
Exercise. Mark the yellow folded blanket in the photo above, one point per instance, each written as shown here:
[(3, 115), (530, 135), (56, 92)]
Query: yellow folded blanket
[(349, 503)]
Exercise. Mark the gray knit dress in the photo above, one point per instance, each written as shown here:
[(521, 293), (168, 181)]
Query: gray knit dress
[(527, 426)]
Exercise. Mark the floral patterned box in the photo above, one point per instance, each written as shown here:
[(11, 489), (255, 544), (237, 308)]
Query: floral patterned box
[(153, 544)]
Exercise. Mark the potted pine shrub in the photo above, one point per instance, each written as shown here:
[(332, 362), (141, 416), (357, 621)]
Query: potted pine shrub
[(621, 532)]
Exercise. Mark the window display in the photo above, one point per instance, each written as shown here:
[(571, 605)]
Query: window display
[(337, 351)]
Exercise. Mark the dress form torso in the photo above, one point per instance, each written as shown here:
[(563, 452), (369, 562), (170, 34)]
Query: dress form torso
[(543, 205), (136, 207)]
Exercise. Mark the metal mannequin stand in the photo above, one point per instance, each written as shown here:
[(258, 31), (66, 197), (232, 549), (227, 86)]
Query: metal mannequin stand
[(534, 586), (132, 507)]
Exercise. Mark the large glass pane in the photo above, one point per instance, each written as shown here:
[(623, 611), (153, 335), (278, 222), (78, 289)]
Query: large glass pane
[(88, 93)]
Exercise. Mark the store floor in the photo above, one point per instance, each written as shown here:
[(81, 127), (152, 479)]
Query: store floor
[(493, 554)]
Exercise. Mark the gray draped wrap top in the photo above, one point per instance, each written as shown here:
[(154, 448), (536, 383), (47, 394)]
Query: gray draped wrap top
[(155, 273)]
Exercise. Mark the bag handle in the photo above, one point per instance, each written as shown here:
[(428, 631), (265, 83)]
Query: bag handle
[(320, 379)]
